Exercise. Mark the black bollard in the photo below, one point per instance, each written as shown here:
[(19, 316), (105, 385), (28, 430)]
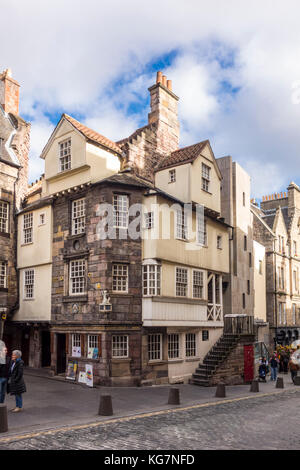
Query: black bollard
[(174, 398), (105, 407), (220, 392), (254, 386), (297, 380), (3, 418), (279, 382)]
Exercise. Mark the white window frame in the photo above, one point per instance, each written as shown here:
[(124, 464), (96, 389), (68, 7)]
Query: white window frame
[(219, 242), (155, 344), (181, 225), (173, 346), (120, 211), (42, 218), (190, 345), (205, 180), (28, 228), (78, 216), (151, 279), (4, 216), (149, 220), (93, 343), (201, 230), (3, 274), (172, 175), (120, 274), (120, 346), (28, 284), (179, 272), (77, 283), (65, 155), (198, 271)]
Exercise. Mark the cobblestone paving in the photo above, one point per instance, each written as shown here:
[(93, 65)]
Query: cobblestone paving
[(244, 424)]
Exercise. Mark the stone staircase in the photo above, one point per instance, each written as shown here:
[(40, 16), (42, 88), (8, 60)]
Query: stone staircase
[(218, 354)]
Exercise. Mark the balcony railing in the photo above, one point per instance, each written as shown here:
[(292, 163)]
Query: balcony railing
[(239, 324), (214, 312)]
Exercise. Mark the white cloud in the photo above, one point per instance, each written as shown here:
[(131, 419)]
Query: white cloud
[(89, 57)]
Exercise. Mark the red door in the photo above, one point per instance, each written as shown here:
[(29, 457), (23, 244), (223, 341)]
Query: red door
[(248, 363)]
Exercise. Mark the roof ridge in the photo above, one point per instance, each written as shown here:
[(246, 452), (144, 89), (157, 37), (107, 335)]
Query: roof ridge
[(92, 134)]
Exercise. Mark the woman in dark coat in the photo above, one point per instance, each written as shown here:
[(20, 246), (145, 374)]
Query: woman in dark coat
[(16, 384)]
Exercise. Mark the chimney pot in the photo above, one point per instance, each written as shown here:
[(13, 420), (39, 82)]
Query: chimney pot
[(169, 85), (159, 77), (164, 80)]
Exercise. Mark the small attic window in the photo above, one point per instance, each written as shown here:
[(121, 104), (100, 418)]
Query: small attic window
[(172, 176), (65, 155), (205, 177)]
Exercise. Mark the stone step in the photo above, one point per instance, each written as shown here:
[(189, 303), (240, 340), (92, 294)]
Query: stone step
[(201, 383)]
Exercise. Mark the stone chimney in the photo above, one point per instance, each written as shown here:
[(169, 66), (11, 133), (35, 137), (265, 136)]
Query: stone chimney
[(9, 93), (293, 199), (164, 112)]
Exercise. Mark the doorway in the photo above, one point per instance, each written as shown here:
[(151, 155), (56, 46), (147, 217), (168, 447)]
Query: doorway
[(61, 353), (46, 352)]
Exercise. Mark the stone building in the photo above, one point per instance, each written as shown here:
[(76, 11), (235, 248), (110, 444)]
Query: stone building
[(14, 149), (276, 226)]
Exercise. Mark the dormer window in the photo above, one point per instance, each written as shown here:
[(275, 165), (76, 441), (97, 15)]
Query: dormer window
[(205, 177), (65, 155), (172, 176)]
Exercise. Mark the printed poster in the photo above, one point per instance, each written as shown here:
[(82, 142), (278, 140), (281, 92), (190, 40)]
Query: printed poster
[(93, 353), (72, 370), (82, 377), (76, 351), (89, 375)]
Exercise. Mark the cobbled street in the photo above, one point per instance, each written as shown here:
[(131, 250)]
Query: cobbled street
[(237, 425)]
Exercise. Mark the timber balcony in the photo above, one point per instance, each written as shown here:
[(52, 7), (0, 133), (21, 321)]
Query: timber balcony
[(235, 326)]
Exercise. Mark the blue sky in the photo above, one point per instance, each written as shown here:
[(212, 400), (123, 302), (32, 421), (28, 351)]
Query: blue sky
[(234, 65)]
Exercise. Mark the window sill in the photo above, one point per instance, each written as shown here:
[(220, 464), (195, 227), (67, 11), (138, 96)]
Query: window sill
[(5, 234), (120, 359), (75, 236), (192, 359), (157, 362), (207, 192)]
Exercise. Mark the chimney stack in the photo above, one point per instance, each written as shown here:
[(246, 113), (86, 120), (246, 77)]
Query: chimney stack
[(164, 114), (9, 93)]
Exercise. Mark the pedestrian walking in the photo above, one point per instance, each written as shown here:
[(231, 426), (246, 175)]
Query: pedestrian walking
[(285, 364), (293, 369), (16, 384), (4, 370), (274, 367)]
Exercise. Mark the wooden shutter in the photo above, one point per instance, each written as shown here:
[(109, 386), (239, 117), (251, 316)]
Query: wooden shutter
[(99, 346), (82, 341)]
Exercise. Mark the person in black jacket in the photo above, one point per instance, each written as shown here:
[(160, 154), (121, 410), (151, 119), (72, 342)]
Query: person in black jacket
[(16, 384), (4, 369)]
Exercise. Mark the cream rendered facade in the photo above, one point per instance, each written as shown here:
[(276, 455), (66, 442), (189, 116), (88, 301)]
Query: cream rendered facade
[(36, 257), (89, 162), (185, 317)]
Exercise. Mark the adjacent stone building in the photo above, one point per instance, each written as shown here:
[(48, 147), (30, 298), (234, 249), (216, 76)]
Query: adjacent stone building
[(276, 226), (14, 149)]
